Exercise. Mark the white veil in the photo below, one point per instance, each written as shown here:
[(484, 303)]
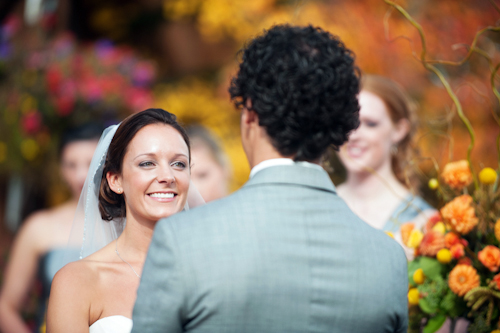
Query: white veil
[(90, 232)]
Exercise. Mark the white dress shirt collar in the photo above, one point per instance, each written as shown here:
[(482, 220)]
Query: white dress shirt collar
[(281, 161)]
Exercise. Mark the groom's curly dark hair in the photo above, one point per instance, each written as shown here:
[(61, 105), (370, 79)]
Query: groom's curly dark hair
[(303, 84)]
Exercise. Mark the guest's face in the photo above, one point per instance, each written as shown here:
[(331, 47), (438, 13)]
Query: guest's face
[(75, 161), (369, 146), (155, 173), (209, 177)]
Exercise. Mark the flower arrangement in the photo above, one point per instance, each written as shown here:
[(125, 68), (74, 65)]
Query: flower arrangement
[(48, 83), (455, 272)]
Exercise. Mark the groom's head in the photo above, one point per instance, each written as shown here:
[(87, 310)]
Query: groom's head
[(297, 88)]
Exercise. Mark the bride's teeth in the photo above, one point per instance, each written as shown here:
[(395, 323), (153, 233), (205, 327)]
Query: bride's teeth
[(162, 195)]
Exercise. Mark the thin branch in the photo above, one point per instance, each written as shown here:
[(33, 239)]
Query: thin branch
[(469, 53), (439, 74), (495, 6)]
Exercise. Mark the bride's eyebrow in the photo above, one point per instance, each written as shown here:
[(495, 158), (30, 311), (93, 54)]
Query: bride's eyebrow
[(180, 155), (154, 155), (145, 154)]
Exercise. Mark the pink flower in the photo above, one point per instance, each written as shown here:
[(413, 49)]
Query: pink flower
[(138, 99), (54, 78), (90, 89), (143, 73), (31, 122), (64, 105)]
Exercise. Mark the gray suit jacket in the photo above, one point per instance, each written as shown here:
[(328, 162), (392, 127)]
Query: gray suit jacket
[(282, 254)]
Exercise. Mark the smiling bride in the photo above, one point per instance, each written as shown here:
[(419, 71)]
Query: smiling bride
[(145, 177)]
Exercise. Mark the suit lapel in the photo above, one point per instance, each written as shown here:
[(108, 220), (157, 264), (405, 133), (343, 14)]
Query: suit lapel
[(293, 175)]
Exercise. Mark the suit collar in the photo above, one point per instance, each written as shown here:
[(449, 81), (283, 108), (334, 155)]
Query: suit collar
[(293, 174)]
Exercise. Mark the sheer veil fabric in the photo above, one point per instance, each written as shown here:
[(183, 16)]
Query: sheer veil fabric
[(90, 232)]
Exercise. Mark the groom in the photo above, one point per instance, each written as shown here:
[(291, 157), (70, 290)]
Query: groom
[(284, 253)]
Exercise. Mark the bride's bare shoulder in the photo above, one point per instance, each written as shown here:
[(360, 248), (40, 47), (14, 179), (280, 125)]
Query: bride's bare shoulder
[(76, 275)]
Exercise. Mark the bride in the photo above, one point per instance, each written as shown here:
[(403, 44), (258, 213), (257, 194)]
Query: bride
[(145, 177)]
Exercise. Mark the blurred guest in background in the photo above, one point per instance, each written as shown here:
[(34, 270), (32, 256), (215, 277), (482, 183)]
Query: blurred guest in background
[(43, 237), (380, 187), (211, 171)]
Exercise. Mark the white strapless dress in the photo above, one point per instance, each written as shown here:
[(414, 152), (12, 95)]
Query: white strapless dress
[(112, 324)]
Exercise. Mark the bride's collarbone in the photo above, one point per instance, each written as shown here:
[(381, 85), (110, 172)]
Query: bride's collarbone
[(114, 294)]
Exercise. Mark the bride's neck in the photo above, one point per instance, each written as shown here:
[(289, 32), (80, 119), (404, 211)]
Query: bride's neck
[(135, 239)]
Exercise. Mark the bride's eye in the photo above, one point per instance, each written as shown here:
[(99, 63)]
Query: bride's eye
[(179, 164), (145, 164)]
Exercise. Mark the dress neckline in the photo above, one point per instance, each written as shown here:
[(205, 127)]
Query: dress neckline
[(108, 318)]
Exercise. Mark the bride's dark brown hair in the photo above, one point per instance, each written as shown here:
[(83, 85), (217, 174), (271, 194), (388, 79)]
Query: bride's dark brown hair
[(111, 204)]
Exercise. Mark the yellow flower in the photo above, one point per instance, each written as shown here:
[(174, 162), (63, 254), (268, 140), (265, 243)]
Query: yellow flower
[(413, 296), (433, 183), (439, 227), (419, 276), (406, 230), (415, 238), (487, 176), (390, 234), (444, 256), (457, 174), (29, 149)]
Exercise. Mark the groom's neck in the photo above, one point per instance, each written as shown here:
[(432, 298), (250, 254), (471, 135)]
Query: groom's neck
[(263, 150)]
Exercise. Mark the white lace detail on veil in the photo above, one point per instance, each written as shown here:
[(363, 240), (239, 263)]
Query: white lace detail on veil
[(90, 232)]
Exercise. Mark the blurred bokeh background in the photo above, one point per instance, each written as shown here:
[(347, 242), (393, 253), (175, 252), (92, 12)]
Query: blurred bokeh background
[(64, 62)]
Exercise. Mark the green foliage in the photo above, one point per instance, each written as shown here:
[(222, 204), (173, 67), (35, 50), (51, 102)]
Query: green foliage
[(434, 323), (480, 325), (452, 304), (431, 267), (433, 291)]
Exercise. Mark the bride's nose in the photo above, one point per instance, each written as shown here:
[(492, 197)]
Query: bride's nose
[(165, 175)]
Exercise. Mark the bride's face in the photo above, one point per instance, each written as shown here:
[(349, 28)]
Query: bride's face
[(155, 173)]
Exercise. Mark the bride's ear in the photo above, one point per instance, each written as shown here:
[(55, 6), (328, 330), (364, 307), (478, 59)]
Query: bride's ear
[(114, 182)]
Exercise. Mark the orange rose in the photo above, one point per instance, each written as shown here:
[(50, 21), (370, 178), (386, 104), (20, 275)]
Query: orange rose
[(490, 257), (457, 251), (459, 215), (496, 279), (451, 239), (406, 231), (432, 242), (462, 279), (457, 174)]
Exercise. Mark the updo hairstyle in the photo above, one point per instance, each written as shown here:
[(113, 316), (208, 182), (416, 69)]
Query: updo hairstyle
[(303, 85), (111, 204), (399, 106)]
